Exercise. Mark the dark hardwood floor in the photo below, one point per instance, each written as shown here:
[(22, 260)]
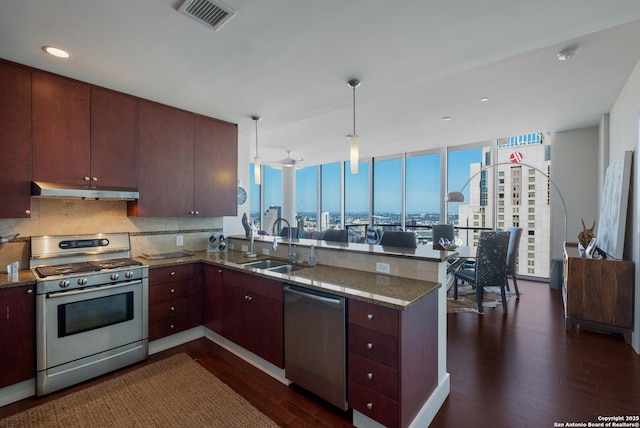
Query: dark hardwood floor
[(515, 370)]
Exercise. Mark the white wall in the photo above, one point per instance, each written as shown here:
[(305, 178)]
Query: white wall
[(574, 169), (624, 121)]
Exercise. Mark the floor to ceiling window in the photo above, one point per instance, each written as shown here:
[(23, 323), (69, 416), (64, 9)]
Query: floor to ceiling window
[(307, 197), (330, 199), (387, 193), (422, 193), (272, 196), (356, 200)]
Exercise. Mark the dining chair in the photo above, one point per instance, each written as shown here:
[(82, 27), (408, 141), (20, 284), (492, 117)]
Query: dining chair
[(284, 232), (441, 231), (372, 236), (512, 257), (336, 235), (393, 238), (490, 267)]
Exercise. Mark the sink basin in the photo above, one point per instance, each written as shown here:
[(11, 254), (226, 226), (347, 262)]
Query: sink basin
[(286, 268), (265, 264)]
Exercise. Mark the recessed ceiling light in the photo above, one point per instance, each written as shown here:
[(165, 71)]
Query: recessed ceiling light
[(446, 118), (484, 99), (566, 54), (56, 52)]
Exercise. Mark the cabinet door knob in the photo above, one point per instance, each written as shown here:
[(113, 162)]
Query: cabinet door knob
[(369, 376), (172, 308), (29, 291), (94, 178), (369, 316), (369, 345), (86, 178), (27, 212), (171, 326), (173, 290), (369, 406), (196, 212), (172, 274), (192, 212)]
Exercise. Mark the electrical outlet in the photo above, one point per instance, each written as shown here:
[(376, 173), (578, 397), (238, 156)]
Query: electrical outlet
[(383, 267), (265, 251), (179, 241), (245, 248)]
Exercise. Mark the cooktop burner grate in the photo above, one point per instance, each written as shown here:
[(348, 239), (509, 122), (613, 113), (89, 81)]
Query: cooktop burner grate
[(65, 269)]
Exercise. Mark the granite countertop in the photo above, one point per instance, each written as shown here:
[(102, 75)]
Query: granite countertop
[(391, 291), (385, 290)]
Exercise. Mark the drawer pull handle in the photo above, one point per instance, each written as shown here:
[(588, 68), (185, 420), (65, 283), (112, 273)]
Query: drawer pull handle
[(248, 298), (172, 308), (369, 345), (171, 326), (172, 273), (369, 376), (173, 290), (369, 406), (369, 317)]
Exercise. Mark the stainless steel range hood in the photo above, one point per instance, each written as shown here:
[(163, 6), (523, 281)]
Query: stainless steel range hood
[(57, 190)]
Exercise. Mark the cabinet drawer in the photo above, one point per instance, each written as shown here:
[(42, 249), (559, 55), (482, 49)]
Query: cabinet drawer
[(374, 345), (170, 326), (169, 291), (374, 317), (170, 309), (374, 405), (373, 375), (170, 274), (255, 284)]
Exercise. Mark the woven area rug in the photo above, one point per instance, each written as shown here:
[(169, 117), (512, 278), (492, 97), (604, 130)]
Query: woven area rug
[(174, 392), (467, 299)]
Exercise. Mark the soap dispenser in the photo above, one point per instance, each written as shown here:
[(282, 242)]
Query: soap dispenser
[(312, 256)]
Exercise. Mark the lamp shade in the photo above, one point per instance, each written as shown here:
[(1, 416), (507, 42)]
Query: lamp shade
[(353, 153), (256, 170), (455, 196)]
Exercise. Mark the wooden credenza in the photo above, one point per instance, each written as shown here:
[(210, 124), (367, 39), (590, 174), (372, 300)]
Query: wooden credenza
[(598, 293)]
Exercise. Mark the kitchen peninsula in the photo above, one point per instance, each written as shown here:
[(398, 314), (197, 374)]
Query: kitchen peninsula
[(396, 321)]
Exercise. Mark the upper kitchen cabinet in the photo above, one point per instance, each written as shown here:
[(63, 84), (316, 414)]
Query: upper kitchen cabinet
[(15, 140), (215, 167), (114, 139), (187, 164), (165, 162), (60, 126), (82, 134)]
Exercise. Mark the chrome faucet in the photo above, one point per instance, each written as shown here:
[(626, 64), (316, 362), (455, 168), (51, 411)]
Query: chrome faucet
[(251, 253), (292, 255)]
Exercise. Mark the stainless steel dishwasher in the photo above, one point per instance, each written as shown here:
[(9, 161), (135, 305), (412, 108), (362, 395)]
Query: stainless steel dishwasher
[(315, 343)]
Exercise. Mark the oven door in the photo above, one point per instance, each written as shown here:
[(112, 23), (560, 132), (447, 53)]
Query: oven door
[(77, 324)]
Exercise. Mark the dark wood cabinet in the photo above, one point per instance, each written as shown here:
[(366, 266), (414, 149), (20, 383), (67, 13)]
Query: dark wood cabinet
[(187, 164), (213, 298), (114, 138), (17, 335), (215, 167), (61, 129), (15, 140), (392, 359), (165, 162), (254, 314), (175, 300), (598, 293)]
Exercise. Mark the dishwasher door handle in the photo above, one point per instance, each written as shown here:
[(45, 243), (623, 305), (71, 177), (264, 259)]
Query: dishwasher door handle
[(338, 302)]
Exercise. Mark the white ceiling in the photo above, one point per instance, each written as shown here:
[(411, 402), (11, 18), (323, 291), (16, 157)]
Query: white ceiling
[(288, 61)]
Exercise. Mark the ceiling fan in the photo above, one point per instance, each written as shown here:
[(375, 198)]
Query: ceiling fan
[(287, 162)]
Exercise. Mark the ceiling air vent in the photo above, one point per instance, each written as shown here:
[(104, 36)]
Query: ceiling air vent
[(207, 12)]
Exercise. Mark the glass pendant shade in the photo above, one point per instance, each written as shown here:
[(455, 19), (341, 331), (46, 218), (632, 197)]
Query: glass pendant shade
[(353, 153), (257, 169)]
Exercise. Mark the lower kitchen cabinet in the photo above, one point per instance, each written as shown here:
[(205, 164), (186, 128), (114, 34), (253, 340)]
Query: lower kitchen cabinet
[(213, 298), (393, 359), (17, 335), (175, 300), (253, 314)]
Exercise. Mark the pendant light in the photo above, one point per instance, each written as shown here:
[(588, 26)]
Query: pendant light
[(353, 138), (256, 161)]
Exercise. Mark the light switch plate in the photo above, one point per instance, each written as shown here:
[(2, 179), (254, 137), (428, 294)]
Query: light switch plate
[(179, 241), (383, 267)]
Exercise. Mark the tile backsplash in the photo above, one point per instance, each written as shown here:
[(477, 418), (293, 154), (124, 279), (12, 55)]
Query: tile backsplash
[(77, 217)]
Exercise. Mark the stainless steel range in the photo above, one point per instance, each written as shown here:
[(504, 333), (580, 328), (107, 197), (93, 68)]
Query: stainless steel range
[(91, 307)]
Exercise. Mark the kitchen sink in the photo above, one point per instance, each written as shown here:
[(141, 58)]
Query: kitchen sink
[(287, 268), (265, 264)]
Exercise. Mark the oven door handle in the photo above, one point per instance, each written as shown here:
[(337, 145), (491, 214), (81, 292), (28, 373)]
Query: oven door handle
[(92, 289)]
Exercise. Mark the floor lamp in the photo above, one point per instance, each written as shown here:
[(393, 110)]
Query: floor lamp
[(458, 196)]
